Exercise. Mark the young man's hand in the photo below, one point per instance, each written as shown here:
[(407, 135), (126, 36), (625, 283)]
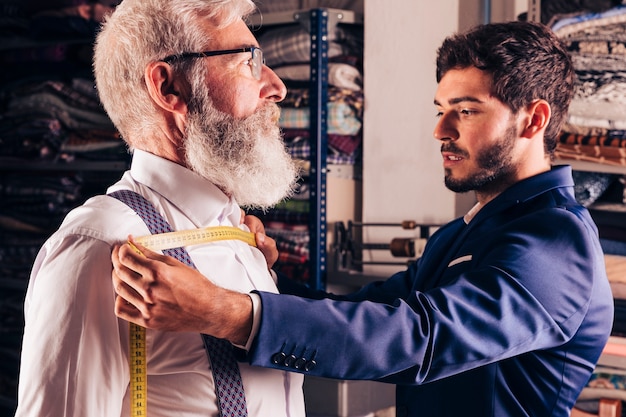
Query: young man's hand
[(159, 292)]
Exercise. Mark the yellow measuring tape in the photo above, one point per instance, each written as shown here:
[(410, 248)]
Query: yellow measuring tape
[(194, 237), (138, 370), (137, 359)]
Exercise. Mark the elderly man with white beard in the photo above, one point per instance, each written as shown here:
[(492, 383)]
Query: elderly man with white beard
[(184, 82)]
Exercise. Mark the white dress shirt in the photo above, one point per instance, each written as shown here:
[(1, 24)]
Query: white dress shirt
[(75, 350)]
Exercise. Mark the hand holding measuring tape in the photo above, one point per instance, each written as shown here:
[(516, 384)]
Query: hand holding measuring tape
[(150, 287), (160, 292)]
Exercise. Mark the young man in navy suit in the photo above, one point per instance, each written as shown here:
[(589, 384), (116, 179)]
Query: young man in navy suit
[(508, 309)]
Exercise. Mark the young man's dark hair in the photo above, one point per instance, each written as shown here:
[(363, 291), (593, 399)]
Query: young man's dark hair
[(527, 62)]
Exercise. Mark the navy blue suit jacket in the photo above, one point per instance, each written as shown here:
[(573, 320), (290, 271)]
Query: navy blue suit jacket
[(504, 316)]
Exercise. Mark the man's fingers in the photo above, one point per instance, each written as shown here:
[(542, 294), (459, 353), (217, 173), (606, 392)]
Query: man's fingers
[(131, 274), (129, 287), (137, 258), (267, 246), (144, 256), (141, 250), (127, 311), (254, 223)]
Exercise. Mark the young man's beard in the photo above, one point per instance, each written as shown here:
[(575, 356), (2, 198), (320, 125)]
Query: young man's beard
[(495, 165), (245, 158)]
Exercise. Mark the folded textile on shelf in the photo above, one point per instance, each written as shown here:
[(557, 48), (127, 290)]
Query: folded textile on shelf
[(339, 74), (299, 98), (299, 147), (594, 131), (341, 119), (291, 44), (600, 149)]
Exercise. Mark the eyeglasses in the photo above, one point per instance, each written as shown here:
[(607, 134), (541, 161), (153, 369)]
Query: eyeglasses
[(256, 63)]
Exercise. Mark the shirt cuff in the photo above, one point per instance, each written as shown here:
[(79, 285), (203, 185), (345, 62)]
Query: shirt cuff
[(256, 318)]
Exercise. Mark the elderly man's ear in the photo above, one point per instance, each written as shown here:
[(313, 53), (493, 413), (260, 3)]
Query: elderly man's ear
[(166, 90)]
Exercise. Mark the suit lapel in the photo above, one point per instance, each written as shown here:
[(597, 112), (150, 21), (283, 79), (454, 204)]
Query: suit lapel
[(441, 248)]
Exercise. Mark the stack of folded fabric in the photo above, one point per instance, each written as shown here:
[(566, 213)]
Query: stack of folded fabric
[(55, 120), (287, 50), (596, 128), (50, 115)]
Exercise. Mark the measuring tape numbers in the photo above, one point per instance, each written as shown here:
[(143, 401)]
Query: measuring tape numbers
[(137, 334), (196, 236), (138, 371)]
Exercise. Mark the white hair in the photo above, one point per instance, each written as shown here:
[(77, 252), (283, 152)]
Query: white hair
[(142, 31)]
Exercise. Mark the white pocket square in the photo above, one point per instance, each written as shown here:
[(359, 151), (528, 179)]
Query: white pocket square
[(459, 260)]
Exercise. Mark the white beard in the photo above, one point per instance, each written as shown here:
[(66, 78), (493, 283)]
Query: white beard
[(245, 158)]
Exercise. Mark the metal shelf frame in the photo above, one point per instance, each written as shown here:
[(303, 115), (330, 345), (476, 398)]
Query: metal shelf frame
[(317, 22), (319, 140)]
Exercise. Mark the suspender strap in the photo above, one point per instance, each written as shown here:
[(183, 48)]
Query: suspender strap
[(229, 388)]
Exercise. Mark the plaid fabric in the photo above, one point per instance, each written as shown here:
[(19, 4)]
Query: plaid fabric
[(341, 119), (293, 252), (344, 110), (299, 98), (297, 248), (292, 44), (300, 148), (347, 144), (293, 258)]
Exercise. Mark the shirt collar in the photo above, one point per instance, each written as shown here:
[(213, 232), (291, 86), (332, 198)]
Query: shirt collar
[(472, 212), (201, 201)]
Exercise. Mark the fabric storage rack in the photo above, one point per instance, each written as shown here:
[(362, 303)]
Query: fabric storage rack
[(319, 23)]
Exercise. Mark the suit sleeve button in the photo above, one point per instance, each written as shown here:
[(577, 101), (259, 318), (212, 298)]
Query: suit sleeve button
[(290, 360), (300, 363), (279, 358), (310, 365)]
